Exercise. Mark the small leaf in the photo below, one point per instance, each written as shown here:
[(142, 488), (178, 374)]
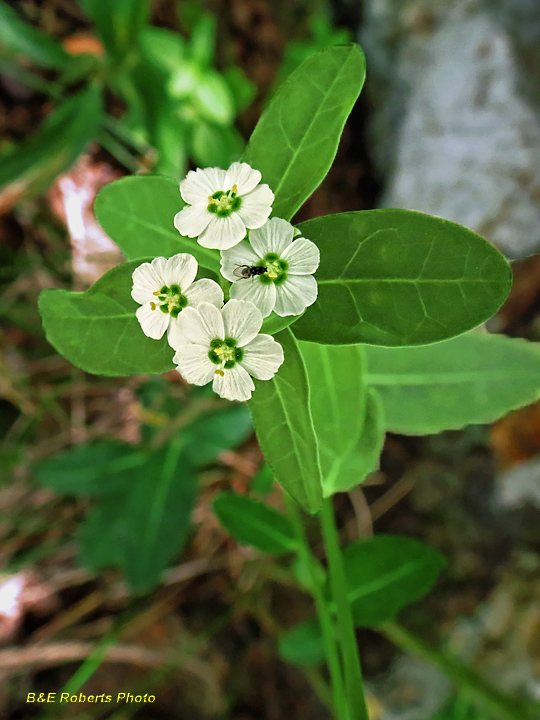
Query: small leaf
[(254, 523), (297, 137), (303, 644), (138, 213), (142, 530), (29, 169), (96, 469), (475, 378), (263, 481), (284, 426), (27, 41), (215, 146), (386, 573), (274, 323), (119, 23), (398, 278), (98, 331), (212, 433)]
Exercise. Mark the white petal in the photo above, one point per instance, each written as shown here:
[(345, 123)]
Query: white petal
[(242, 321), (295, 295), (205, 290), (241, 254), (146, 281), (200, 184), (193, 363), (153, 322), (253, 290), (243, 176), (302, 256), (201, 325), (223, 232), (256, 206), (262, 357), (192, 220), (180, 270), (274, 236), (234, 384)]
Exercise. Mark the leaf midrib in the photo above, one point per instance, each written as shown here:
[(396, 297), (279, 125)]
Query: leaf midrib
[(448, 378)]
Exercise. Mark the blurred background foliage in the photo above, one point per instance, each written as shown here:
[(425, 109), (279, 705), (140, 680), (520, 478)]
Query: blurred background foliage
[(94, 90)]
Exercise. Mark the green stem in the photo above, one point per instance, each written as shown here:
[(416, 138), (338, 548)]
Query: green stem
[(349, 648), (323, 613), (501, 703)]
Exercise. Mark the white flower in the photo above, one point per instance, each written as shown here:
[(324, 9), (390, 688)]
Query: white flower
[(164, 288), (224, 346), (287, 285), (222, 205)]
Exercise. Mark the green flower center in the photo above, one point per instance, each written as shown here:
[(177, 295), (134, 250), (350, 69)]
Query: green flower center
[(224, 203), (276, 269), (170, 300), (225, 354)]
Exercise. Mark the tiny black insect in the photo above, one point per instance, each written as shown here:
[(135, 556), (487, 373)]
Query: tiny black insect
[(249, 271)]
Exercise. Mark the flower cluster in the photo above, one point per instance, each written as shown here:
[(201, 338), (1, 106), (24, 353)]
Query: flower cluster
[(270, 271)]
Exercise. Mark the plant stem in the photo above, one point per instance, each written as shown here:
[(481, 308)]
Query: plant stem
[(323, 613), (503, 704), (338, 582)]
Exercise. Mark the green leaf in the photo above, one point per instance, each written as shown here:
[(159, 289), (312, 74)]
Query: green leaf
[(303, 644), (398, 278), (254, 523), (338, 402), (97, 330), (96, 469), (29, 169), (28, 42), (274, 323), (263, 481), (297, 137), (203, 40), (164, 47), (138, 213), (284, 426), (213, 99), (386, 573), (215, 146), (213, 432), (118, 23), (475, 378), (142, 530), (242, 88), (364, 458)]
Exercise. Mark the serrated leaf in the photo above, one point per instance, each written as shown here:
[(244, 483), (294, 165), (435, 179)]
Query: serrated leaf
[(475, 378), (29, 169), (400, 278), (387, 572), (284, 426), (143, 529), (138, 213), (297, 137), (98, 331), (254, 523)]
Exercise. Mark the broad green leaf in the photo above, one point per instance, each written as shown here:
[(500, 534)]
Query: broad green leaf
[(100, 468), (138, 213), (164, 47), (29, 169), (119, 23), (142, 530), (364, 458), (338, 399), (213, 432), (475, 378), (297, 137), (398, 278), (254, 523), (215, 146), (386, 573), (97, 330), (282, 416), (303, 644), (26, 41)]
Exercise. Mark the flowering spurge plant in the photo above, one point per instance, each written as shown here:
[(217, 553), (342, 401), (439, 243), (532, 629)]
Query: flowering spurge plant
[(384, 343)]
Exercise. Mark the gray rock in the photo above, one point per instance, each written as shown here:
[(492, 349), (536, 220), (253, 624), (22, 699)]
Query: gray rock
[(452, 130)]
